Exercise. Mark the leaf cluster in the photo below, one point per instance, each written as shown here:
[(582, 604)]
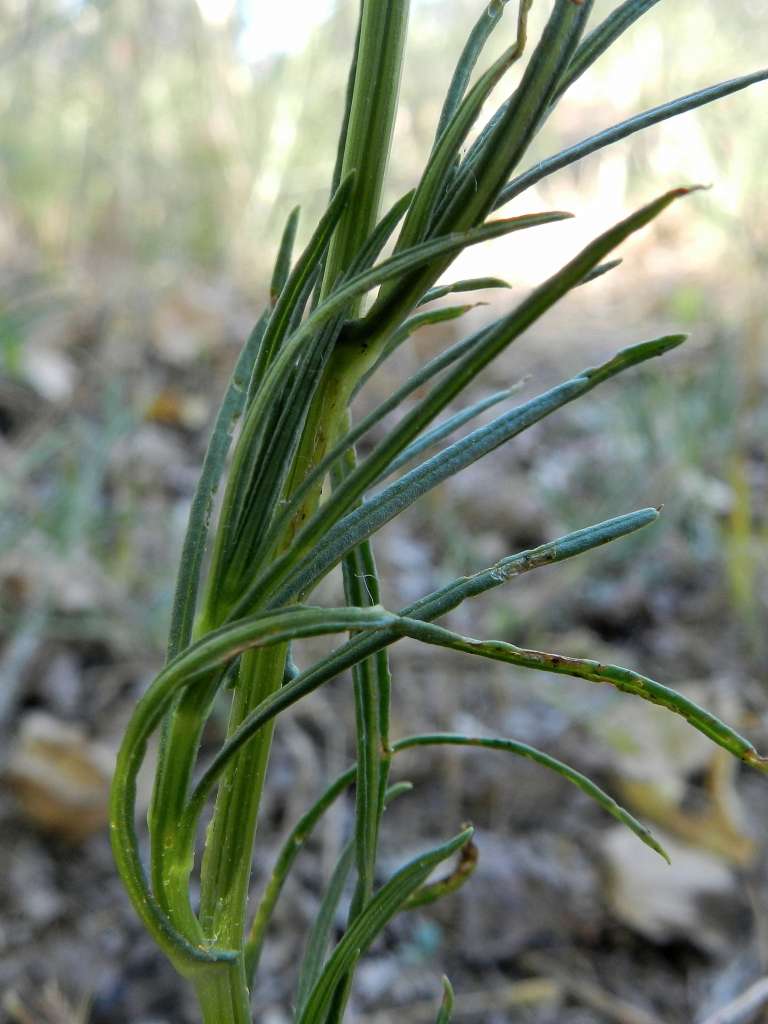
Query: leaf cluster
[(298, 502)]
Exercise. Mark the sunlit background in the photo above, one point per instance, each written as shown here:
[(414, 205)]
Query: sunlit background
[(149, 155)]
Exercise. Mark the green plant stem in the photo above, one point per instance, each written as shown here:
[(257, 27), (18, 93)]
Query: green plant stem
[(368, 132), (229, 844), (223, 994)]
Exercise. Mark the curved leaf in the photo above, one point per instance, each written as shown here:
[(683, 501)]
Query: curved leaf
[(552, 763), (432, 606), (446, 1007), (320, 932), (193, 548), (370, 923), (469, 285), (195, 663), (288, 853), (596, 672), (431, 892), (479, 36)]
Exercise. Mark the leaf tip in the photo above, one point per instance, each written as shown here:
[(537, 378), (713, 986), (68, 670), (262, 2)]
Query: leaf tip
[(686, 190)]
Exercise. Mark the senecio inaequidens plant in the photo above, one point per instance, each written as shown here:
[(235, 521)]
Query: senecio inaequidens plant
[(277, 533)]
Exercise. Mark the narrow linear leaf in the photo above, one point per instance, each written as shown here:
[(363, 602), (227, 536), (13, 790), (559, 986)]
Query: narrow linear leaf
[(585, 784), (432, 606), (295, 841), (467, 62), (193, 548), (622, 130), (442, 430), (320, 932), (341, 146), (370, 923), (469, 285), (298, 279), (446, 1007), (284, 253), (369, 517), (446, 599), (595, 672), (372, 688)]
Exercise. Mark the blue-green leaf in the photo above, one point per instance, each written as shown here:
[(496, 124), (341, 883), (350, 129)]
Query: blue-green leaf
[(482, 350), (284, 254), (620, 131), (442, 430), (364, 521), (470, 55), (552, 763), (427, 608), (469, 285)]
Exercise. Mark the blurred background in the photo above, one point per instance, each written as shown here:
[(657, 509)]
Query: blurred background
[(149, 156)]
